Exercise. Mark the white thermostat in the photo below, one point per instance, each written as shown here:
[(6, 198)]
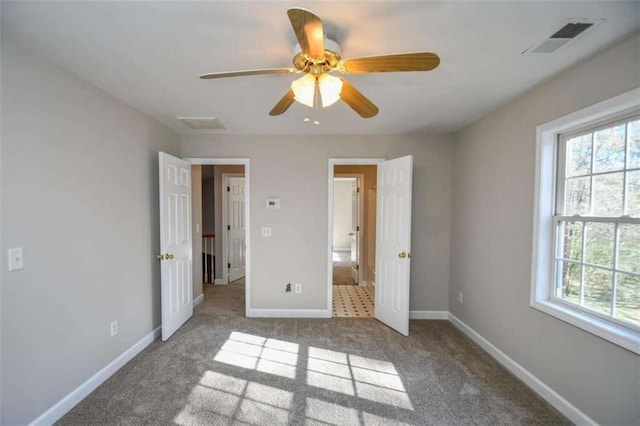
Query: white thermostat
[(273, 203)]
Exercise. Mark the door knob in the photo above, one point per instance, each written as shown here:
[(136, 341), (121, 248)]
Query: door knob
[(160, 256), (409, 255), (168, 256), (402, 255), (351, 233)]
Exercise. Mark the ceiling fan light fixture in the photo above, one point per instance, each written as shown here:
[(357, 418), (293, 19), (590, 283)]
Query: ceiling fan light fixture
[(304, 89), (330, 88)]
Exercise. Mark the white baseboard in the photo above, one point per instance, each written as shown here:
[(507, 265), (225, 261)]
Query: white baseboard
[(198, 300), (363, 283), (342, 249), (289, 313), (63, 406), (551, 396), (219, 281), (429, 315)]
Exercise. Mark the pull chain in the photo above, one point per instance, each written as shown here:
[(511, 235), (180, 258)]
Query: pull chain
[(316, 102)]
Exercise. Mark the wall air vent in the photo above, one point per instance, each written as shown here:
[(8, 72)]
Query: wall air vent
[(563, 35), (201, 123)]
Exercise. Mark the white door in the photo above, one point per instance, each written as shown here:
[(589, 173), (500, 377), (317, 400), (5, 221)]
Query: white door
[(393, 243), (175, 243), (355, 231), (235, 228)]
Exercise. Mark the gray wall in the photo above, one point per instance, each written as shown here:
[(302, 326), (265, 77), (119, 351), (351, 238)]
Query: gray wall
[(295, 169), (1, 216), (80, 194), (493, 193)]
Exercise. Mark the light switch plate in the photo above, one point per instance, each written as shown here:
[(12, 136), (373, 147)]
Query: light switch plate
[(16, 260)]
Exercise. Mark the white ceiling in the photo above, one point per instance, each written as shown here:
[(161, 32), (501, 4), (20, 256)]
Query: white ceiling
[(150, 54)]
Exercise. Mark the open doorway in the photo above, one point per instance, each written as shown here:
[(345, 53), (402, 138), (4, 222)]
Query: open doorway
[(221, 231), (388, 260), (223, 223), (347, 236), (353, 240)]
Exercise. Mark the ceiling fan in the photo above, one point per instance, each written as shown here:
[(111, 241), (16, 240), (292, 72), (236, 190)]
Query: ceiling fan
[(316, 56)]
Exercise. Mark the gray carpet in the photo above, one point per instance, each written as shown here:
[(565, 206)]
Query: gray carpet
[(222, 368)]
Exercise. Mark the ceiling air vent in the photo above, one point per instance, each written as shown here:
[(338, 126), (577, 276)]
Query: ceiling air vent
[(201, 123), (562, 36)]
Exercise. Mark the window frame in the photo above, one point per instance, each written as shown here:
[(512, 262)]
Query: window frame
[(548, 158)]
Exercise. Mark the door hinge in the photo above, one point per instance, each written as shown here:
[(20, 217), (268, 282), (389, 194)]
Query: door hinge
[(228, 189), (228, 227), (358, 189), (229, 265), (357, 228), (357, 267)]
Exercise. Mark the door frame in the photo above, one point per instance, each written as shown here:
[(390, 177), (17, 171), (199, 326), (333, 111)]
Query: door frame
[(225, 222), (206, 161), (330, 174), (360, 180)]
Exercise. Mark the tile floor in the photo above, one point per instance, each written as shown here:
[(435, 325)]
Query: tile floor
[(353, 301)]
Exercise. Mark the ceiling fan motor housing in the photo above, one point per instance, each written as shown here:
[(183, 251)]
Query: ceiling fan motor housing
[(317, 67)]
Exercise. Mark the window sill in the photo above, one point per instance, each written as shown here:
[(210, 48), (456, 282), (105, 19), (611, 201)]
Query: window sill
[(614, 333)]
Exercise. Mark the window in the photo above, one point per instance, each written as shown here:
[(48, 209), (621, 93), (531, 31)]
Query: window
[(598, 221), (587, 232)]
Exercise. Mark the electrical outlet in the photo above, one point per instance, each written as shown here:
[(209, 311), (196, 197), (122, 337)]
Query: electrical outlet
[(114, 328), (460, 297), (298, 288), (266, 231)]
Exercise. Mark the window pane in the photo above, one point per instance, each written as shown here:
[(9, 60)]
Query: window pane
[(629, 247), (579, 155), (633, 139), (628, 298), (599, 244), (633, 193), (597, 289), (607, 194), (578, 196), (609, 145), (572, 242), (570, 281)]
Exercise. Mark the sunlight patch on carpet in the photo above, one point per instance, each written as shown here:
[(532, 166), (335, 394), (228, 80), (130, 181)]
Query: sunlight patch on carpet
[(219, 398), (258, 353), (371, 379), (337, 372)]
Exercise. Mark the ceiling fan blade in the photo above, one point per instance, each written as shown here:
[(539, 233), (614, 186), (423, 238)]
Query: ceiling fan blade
[(423, 61), (247, 72), (356, 100), (309, 32), (283, 104)]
